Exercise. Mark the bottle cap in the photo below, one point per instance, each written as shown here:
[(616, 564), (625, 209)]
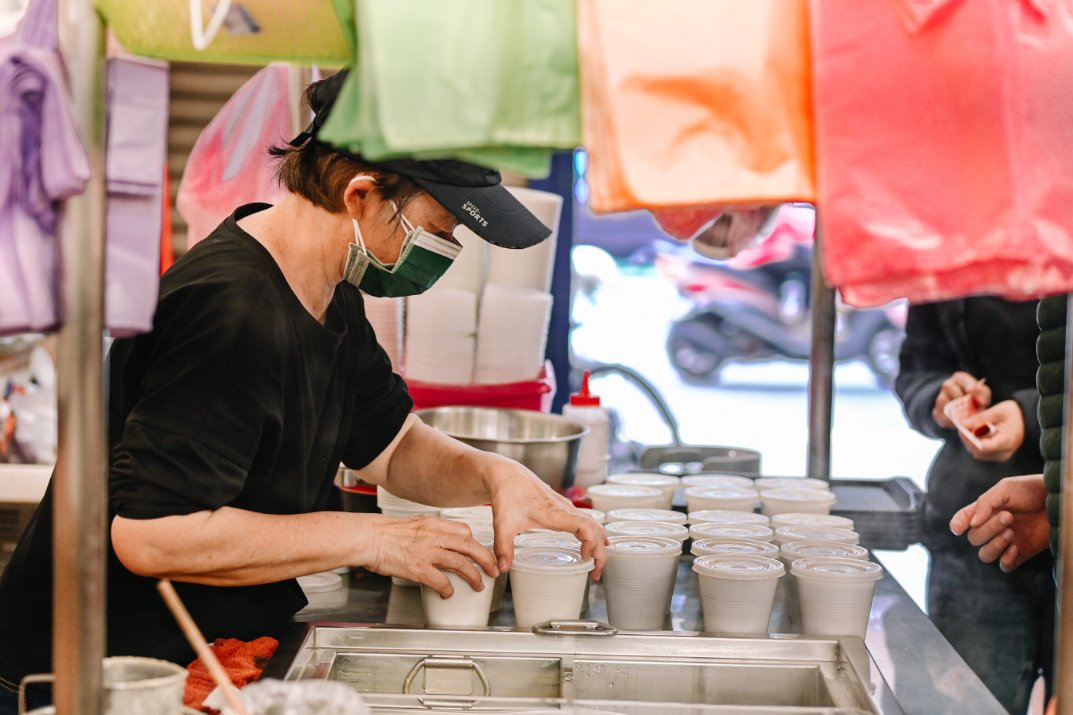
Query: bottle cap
[(584, 398)]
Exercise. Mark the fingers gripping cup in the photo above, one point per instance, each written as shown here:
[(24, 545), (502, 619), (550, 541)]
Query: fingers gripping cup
[(835, 595), (727, 498), (465, 608), (548, 584), (606, 497), (391, 505), (792, 499), (737, 591), (639, 580)]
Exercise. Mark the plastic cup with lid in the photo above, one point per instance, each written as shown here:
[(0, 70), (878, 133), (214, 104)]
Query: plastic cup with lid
[(751, 532), (726, 516), (465, 608), (786, 534), (548, 584), (835, 595), (763, 483), (323, 591), (717, 547), (663, 530), (726, 498), (794, 550), (664, 482), (792, 499), (639, 580), (667, 516), (737, 591), (606, 497), (549, 539), (713, 479), (799, 519)]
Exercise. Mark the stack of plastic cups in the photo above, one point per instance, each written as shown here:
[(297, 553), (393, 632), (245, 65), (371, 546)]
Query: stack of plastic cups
[(794, 550), (391, 505), (606, 497), (835, 595), (664, 482), (726, 516), (548, 584), (749, 532), (667, 516), (466, 608), (479, 517), (737, 591), (799, 519), (717, 547), (704, 498), (791, 499), (786, 534), (639, 581)]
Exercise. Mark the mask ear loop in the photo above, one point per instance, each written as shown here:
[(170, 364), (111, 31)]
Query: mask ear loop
[(358, 239)]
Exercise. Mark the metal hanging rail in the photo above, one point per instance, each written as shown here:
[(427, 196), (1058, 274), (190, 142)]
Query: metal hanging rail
[(821, 361)]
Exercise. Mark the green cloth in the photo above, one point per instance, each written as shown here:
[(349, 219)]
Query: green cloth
[(1050, 348), (493, 83)]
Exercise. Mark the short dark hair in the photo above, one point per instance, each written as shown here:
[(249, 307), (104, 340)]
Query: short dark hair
[(319, 173)]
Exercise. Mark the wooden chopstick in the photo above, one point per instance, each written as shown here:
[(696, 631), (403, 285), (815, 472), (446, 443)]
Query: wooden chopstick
[(201, 647)]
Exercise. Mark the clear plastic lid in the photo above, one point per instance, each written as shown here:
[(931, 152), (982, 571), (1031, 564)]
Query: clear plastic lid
[(726, 516), (754, 532), (718, 480), (786, 534), (799, 519), (546, 559), (321, 582), (826, 568), (647, 479), (644, 545), (552, 539), (811, 496), (711, 547), (625, 490), (664, 515), (647, 528), (710, 492), (793, 550), (468, 513), (792, 483), (739, 566)]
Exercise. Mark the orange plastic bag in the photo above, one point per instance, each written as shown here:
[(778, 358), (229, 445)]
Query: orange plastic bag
[(700, 102), (944, 146)]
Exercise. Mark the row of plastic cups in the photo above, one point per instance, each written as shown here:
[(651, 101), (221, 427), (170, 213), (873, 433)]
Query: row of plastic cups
[(781, 535), (639, 580)]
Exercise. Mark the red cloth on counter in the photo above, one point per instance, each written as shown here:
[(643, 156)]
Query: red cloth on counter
[(244, 661)]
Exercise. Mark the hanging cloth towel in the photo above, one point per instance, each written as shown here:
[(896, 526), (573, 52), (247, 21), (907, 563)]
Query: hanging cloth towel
[(229, 165), (699, 103), (945, 136), (506, 100), (137, 147), (42, 162)]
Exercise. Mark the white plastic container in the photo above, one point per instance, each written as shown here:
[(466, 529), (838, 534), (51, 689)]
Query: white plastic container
[(798, 519), (665, 515), (786, 534), (676, 532), (799, 501), (639, 580), (763, 483), (737, 591), (704, 498), (719, 547), (465, 608), (835, 595), (324, 591), (548, 584), (585, 409), (712, 479), (726, 516), (664, 482), (606, 497), (749, 532)]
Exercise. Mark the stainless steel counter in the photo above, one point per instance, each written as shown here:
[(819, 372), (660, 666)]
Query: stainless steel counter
[(923, 671)]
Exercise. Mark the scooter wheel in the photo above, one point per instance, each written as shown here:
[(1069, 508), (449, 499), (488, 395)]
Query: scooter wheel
[(693, 363)]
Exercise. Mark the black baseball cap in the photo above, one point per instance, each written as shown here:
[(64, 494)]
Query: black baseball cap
[(474, 194)]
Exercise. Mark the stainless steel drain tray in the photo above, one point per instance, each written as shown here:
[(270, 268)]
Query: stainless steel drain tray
[(415, 670)]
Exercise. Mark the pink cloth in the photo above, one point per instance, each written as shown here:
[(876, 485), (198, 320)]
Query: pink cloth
[(944, 135)]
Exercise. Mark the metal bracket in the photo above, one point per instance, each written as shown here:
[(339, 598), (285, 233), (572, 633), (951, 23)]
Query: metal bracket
[(436, 662), (574, 628)]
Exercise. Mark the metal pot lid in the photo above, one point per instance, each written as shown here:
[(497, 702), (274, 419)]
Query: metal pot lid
[(727, 516), (665, 515), (647, 528), (710, 547), (647, 545), (832, 568), (551, 560), (739, 566)]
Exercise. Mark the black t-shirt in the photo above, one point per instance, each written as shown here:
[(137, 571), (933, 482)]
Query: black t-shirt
[(238, 397)]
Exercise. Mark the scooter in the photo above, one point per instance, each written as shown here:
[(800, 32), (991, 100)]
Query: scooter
[(757, 306)]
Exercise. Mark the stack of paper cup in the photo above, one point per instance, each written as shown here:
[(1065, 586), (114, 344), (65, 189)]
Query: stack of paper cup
[(665, 515), (639, 580), (798, 519), (716, 547), (531, 267), (750, 532), (786, 534), (663, 530), (649, 479), (809, 501), (511, 334), (548, 584), (835, 595), (606, 497), (712, 479), (726, 516), (391, 505), (465, 608), (737, 591), (385, 315), (441, 331), (467, 273), (763, 483), (727, 498)]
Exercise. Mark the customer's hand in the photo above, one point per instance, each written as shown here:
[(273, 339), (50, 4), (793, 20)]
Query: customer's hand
[(421, 548), (1008, 522), (958, 384), (1004, 440), (520, 501)]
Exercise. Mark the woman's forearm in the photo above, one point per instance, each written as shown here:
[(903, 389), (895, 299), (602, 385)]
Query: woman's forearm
[(432, 468)]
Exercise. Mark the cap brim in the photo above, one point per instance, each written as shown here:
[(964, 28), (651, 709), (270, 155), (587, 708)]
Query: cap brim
[(491, 212)]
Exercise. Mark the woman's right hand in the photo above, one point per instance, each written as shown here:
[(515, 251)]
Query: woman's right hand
[(958, 384), (421, 548), (1008, 523)]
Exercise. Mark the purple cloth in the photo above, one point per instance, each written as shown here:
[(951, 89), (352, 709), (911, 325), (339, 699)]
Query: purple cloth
[(42, 162), (136, 156)]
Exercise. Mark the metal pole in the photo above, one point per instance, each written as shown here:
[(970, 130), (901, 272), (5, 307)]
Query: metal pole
[(1063, 668), (79, 485), (821, 367)]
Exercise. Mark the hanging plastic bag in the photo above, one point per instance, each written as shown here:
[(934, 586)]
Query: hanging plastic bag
[(944, 145), (704, 105), (229, 165)]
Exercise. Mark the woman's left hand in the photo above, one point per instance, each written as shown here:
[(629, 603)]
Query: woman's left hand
[(520, 501), (1006, 437)]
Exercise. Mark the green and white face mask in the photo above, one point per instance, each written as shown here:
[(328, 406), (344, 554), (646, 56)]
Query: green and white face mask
[(424, 258)]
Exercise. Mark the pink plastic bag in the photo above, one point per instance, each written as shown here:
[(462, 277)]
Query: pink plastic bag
[(944, 146), (229, 165)]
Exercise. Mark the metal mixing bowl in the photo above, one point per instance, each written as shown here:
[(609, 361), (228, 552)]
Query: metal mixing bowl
[(547, 444)]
